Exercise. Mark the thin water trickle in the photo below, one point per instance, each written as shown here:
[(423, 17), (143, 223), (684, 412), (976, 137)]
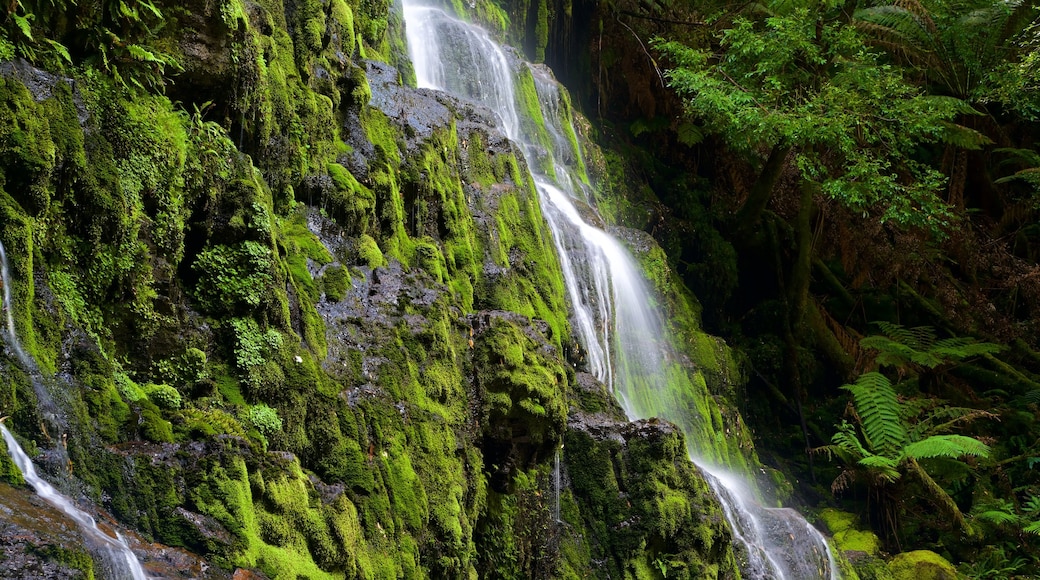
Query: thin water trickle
[(557, 487), (625, 338), (117, 559)]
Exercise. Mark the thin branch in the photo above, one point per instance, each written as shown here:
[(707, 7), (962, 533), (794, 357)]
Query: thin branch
[(653, 62)]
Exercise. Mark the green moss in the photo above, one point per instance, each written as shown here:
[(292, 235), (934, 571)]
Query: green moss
[(336, 281), (350, 203), (858, 541), (541, 30), (921, 565), (9, 472), (77, 559), (836, 520), (531, 119), (152, 425), (369, 252), (164, 396), (643, 506), (26, 150)]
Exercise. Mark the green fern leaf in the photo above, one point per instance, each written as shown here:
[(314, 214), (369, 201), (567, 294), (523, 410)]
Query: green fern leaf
[(897, 332), (962, 347), (924, 337), (878, 409), (846, 444), (998, 517), (882, 466), (1033, 528), (897, 23), (927, 359), (60, 49), (1032, 505), (963, 137), (690, 134), (23, 24), (951, 446)]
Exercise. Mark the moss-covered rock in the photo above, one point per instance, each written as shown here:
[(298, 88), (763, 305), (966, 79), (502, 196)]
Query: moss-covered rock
[(921, 565), (642, 504)]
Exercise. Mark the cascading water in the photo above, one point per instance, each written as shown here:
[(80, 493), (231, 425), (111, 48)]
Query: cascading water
[(116, 558), (626, 342)]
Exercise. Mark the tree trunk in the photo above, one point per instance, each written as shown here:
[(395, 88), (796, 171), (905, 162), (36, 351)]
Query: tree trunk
[(798, 285), (758, 198)]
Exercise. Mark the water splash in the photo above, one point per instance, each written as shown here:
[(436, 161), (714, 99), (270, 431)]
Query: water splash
[(116, 557), (624, 335)]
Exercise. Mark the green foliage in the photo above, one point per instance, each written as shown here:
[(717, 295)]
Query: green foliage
[(879, 412), (891, 439), (164, 396), (805, 78), (264, 419), (900, 346), (233, 278)]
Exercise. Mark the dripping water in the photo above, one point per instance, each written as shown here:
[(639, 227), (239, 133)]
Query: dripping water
[(116, 558), (557, 487), (624, 335)]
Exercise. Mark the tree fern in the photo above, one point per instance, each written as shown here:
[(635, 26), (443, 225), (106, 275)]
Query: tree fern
[(878, 411)]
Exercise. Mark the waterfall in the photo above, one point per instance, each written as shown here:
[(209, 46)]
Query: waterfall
[(116, 558), (626, 342)]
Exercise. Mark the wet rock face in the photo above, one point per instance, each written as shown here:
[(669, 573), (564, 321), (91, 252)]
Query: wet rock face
[(421, 111), (38, 542), (32, 537), (639, 493), (519, 382)]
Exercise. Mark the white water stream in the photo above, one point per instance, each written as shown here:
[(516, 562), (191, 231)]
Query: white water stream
[(116, 559), (626, 343)]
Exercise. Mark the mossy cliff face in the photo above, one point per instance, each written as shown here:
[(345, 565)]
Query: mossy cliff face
[(308, 322), (644, 510)]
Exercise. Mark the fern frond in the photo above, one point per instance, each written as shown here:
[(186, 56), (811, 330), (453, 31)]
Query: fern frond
[(1030, 175), (953, 416), (924, 337), (889, 352), (846, 444), (844, 479), (998, 517), (835, 450), (962, 347), (1026, 157), (926, 358), (1032, 528), (883, 467), (951, 446), (899, 22), (897, 333), (690, 134), (963, 137), (1032, 505), (878, 409)]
